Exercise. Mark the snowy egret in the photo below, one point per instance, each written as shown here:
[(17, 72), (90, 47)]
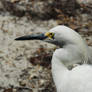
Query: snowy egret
[(73, 50)]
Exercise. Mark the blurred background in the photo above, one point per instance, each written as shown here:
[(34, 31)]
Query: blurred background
[(25, 65)]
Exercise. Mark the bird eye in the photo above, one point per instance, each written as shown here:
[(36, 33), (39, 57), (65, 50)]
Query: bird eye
[(52, 35)]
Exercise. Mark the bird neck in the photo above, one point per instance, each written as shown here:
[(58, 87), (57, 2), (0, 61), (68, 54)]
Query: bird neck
[(58, 67), (58, 71), (57, 64), (79, 52)]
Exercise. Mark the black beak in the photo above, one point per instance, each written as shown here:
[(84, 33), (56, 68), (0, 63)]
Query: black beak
[(32, 37), (37, 37)]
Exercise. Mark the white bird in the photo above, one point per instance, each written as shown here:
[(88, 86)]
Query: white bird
[(73, 50)]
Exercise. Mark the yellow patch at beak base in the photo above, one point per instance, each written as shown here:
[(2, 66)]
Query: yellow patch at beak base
[(49, 34)]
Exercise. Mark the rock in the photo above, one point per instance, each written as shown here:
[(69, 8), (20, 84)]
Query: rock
[(15, 68), (1, 5), (43, 9), (33, 8), (86, 2), (23, 65), (86, 6)]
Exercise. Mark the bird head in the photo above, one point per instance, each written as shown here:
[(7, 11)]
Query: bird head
[(62, 36), (59, 35)]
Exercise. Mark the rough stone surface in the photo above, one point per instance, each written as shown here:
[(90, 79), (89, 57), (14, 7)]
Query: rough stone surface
[(84, 1), (15, 69), (43, 9), (22, 66)]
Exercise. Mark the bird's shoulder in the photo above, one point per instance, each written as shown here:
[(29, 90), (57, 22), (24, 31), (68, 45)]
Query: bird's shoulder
[(82, 71)]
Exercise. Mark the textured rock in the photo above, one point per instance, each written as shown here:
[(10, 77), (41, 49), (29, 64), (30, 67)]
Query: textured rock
[(22, 65), (15, 69), (86, 6), (1, 5), (86, 2), (43, 9)]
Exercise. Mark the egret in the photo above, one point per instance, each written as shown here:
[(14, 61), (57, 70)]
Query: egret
[(73, 49)]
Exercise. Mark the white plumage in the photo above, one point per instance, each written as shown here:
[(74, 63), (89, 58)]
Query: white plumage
[(74, 50)]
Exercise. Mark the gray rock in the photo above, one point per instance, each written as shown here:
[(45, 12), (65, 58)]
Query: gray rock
[(15, 69), (86, 2), (43, 9)]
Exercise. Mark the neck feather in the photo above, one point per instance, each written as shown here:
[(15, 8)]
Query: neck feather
[(58, 71)]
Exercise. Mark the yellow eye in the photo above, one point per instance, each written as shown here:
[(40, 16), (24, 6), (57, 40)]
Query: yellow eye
[(50, 35)]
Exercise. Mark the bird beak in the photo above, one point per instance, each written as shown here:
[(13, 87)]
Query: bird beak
[(33, 37), (37, 36), (42, 36)]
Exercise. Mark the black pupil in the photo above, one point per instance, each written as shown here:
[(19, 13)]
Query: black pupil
[(51, 34)]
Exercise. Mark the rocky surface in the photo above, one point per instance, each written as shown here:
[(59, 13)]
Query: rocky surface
[(86, 2), (25, 65), (43, 9), (15, 67)]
